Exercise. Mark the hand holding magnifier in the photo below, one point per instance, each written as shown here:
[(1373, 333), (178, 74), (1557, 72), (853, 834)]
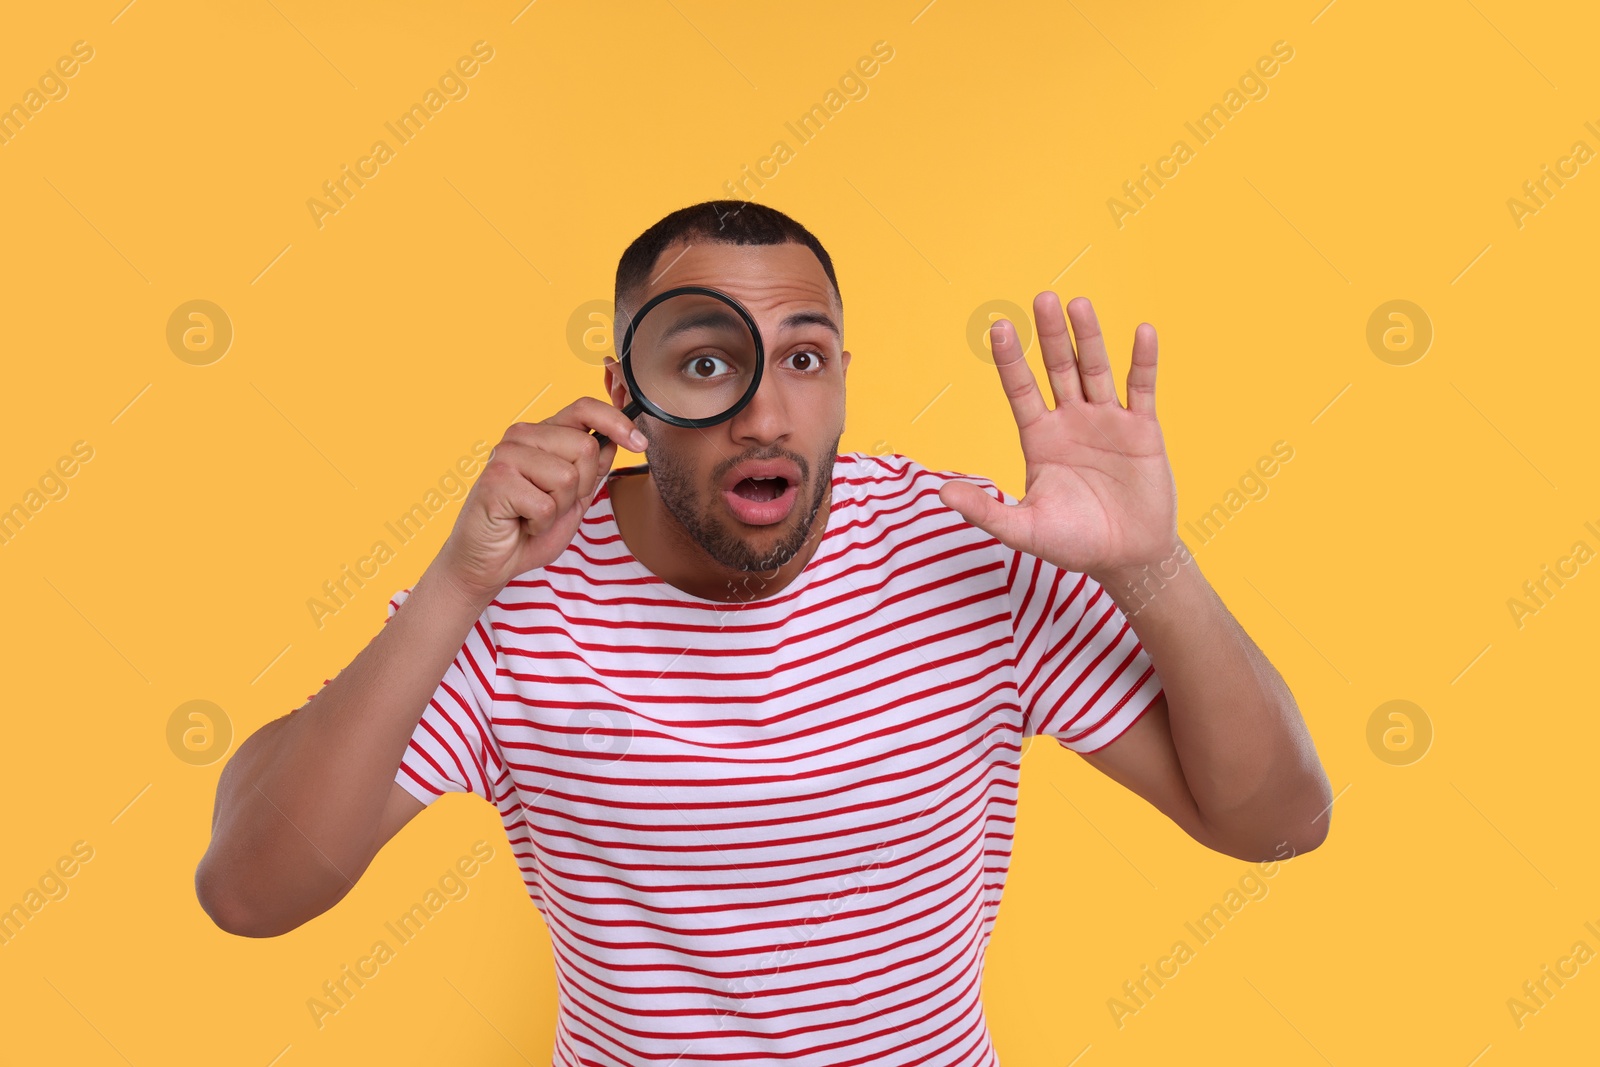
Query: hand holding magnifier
[(692, 357)]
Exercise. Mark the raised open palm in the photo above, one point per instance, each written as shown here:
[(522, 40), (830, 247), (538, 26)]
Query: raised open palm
[(1099, 493)]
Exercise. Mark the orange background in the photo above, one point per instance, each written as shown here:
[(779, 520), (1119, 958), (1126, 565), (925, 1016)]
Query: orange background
[(456, 291)]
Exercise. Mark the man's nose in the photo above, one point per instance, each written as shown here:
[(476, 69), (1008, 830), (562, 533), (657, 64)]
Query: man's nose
[(766, 417)]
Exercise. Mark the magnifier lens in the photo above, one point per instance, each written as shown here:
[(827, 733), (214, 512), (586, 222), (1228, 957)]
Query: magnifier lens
[(693, 356)]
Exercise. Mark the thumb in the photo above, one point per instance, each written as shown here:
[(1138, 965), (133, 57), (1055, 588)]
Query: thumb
[(992, 516)]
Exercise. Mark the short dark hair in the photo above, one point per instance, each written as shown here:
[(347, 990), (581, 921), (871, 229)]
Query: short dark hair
[(738, 222)]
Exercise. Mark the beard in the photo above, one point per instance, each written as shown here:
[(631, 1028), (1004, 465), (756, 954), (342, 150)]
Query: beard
[(686, 501)]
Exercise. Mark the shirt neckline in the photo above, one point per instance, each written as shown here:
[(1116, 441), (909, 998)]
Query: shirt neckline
[(842, 463)]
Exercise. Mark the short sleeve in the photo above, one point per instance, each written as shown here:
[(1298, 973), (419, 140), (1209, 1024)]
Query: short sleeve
[(452, 750), (1083, 676)]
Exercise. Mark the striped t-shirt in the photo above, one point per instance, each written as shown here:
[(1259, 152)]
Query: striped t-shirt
[(777, 831)]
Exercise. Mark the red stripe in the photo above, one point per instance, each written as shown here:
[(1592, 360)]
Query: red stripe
[(1115, 708)]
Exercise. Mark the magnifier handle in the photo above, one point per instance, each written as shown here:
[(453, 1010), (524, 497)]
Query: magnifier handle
[(631, 411)]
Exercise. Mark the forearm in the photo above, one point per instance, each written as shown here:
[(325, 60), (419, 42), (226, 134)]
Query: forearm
[(1246, 754), (300, 803)]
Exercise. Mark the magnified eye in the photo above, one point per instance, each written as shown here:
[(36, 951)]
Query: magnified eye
[(704, 366)]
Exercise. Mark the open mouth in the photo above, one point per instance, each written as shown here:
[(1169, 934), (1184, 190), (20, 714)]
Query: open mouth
[(761, 490), (762, 501)]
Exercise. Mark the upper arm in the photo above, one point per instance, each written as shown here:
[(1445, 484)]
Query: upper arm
[(1144, 759)]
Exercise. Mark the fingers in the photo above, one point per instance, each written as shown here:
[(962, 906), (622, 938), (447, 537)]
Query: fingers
[(526, 501), (1027, 405), (569, 443), (1142, 375), (1056, 344), (1094, 366), (566, 433), (587, 413), (539, 473)]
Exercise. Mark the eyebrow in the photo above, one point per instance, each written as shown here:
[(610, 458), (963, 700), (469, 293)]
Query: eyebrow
[(720, 317), (812, 318), (725, 318)]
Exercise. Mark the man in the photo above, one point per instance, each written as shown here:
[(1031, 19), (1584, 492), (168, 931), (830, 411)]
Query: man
[(758, 764)]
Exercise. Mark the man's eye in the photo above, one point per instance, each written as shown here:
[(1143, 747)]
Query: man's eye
[(705, 366), (808, 360)]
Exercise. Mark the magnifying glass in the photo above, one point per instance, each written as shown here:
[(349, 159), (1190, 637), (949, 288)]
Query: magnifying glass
[(692, 357)]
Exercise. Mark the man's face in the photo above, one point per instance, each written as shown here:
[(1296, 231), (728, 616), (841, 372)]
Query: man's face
[(795, 419)]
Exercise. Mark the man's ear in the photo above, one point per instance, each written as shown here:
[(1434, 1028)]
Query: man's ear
[(845, 358), (616, 386)]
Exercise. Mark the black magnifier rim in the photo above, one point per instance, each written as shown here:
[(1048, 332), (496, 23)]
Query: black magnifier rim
[(626, 358)]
